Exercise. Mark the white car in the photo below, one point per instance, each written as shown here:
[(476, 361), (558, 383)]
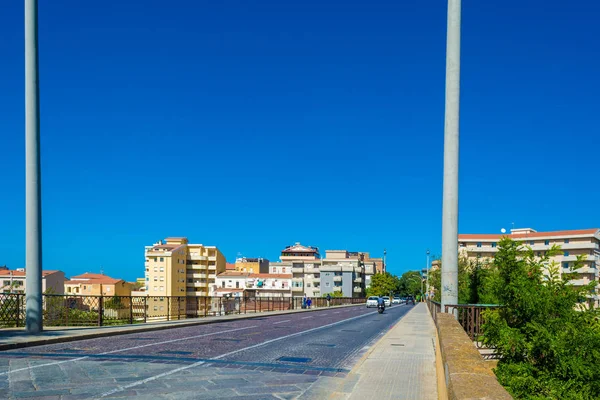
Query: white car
[(386, 301), (396, 300), (372, 301)]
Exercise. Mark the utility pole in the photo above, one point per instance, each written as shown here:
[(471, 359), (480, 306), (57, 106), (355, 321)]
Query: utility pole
[(33, 184), (451, 151), (427, 267)]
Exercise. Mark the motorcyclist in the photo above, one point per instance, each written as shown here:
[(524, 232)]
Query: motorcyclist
[(380, 302)]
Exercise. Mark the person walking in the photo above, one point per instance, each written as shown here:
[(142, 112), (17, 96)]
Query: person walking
[(308, 302), (304, 301), (328, 299)]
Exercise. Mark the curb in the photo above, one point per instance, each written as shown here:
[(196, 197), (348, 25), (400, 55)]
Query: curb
[(163, 326)]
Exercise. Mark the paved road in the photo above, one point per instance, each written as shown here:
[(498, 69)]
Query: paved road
[(270, 357)]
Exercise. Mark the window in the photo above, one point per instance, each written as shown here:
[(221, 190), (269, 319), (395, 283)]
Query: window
[(162, 278), (155, 288), (162, 269), (566, 240), (155, 279), (478, 244), (326, 284), (566, 254), (547, 242), (565, 265), (532, 243), (539, 253), (155, 269), (478, 255), (237, 284), (162, 259), (162, 288), (283, 270), (155, 308), (69, 289), (154, 259), (108, 289), (223, 284), (162, 308), (493, 244)]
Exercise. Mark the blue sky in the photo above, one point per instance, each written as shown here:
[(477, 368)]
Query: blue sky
[(253, 125)]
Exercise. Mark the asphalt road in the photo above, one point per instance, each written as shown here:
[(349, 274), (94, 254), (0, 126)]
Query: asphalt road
[(269, 357)]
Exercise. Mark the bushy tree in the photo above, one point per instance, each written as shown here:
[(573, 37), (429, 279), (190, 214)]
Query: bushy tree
[(410, 284), (548, 341), (383, 285)]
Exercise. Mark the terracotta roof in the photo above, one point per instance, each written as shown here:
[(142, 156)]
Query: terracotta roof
[(7, 273), (233, 273), (298, 248), (228, 290), (230, 267), (95, 278), (519, 235), (274, 276)]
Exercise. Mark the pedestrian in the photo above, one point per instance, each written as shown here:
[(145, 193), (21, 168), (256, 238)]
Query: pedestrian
[(308, 302), (328, 299), (304, 301)]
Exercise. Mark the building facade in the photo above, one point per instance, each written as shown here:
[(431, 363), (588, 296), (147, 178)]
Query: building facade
[(96, 285), (13, 281), (174, 267), (343, 271), (237, 284), (573, 243), (252, 265)]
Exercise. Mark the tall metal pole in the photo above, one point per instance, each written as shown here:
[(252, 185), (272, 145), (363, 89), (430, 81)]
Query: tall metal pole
[(33, 206), (384, 266), (451, 134)]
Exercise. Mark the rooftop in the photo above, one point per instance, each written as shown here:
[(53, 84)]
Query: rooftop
[(298, 248), (95, 278), (528, 233), (6, 273)]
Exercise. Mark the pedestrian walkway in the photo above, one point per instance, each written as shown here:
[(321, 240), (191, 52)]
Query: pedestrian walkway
[(399, 366)]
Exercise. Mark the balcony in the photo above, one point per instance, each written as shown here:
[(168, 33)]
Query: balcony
[(212, 258), (357, 289), (196, 275), (297, 288), (297, 270), (337, 278), (586, 257), (196, 284), (196, 257), (358, 280)]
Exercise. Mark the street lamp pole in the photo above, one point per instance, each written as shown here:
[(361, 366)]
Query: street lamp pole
[(33, 185), (451, 148)]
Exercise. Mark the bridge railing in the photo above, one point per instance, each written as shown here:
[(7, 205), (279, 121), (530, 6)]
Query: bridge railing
[(470, 316), (76, 310)]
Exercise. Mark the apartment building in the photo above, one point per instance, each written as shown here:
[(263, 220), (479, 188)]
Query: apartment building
[(238, 284), (96, 285), (303, 262), (343, 271), (13, 281), (252, 265), (175, 267), (573, 243)]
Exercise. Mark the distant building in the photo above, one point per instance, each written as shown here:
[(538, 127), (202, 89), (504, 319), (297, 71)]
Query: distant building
[(573, 243), (304, 263), (96, 285), (175, 267), (252, 265), (13, 281), (246, 284), (343, 271)]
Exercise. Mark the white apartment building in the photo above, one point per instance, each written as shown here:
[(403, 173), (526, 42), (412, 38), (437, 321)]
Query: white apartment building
[(13, 281), (238, 284), (573, 243)]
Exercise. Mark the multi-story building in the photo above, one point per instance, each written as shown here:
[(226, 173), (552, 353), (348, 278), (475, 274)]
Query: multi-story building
[(343, 271), (304, 263), (252, 265), (573, 243), (174, 267), (236, 283), (13, 281), (96, 285)]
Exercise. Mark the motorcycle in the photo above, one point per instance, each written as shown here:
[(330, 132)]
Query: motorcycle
[(380, 308)]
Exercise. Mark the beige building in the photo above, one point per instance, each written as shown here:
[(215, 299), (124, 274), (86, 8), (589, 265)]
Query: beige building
[(174, 267), (252, 265), (96, 285), (304, 263), (13, 281), (573, 243), (343, 271)]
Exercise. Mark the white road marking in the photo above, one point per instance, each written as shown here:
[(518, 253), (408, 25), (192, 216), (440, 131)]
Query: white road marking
[(336, 312), (281, 322), (121, 350), (196, 364), (305, 317)]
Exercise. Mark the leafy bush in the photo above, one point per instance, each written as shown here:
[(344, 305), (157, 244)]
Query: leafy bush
[(549, 342)]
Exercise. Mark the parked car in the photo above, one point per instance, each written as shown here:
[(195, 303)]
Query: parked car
[(372, 301), (396, 300), (387, 301)]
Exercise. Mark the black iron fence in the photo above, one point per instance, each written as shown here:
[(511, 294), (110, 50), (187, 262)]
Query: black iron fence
[(470, 316), (69, 310)]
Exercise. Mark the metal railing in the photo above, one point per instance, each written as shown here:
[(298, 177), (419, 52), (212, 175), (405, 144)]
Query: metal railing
[(469, 316), (75, 310)]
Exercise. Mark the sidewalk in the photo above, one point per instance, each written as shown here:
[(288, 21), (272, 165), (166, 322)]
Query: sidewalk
[(401, 365), (15, 338)]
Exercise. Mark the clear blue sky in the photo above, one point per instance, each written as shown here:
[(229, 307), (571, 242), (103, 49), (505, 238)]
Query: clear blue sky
[(254, 124)]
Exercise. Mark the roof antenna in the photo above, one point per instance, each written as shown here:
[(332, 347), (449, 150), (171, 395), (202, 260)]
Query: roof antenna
[(101, 270)]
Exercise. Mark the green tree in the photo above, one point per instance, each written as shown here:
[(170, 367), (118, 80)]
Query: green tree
[(383, 285), (410, 284), (548, 340)]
